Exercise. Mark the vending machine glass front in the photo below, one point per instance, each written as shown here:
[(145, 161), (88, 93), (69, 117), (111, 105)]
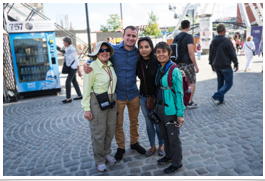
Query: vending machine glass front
[(32, 59)]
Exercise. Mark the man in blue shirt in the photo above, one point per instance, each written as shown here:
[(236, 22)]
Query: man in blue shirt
[(124, 61), (109, 39)]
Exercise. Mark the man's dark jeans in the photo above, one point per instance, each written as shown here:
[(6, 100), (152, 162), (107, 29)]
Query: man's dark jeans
[(225, 82)]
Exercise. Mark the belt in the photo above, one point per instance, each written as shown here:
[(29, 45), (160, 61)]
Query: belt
[(165, 88)]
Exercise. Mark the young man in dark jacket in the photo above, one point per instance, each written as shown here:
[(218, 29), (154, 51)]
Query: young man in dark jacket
[(222, 53)]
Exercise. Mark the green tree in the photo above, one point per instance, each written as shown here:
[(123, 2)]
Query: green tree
[(171, 29), (113, 24), (152, 28)]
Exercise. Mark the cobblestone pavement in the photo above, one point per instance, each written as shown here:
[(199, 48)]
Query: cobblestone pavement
[(41, 136)]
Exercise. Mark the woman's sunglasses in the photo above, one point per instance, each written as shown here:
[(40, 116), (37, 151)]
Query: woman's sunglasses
[(102, 50)]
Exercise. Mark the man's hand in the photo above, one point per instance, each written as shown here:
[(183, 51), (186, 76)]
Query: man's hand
[(183, 73), (180, 121), (236, 68), (196, 69), (79, 73), (88, 115), (213, 69), (87, 69)]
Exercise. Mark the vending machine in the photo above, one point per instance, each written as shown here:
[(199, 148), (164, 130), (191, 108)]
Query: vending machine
[(34, 55)]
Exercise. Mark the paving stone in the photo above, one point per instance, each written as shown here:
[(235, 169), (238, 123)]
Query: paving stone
[(135, 163), (86, 165), (135, 170), (227, 173), (194, 158), (149, 167), (228, 164), (116, 167), (213, 168), (127, 159), (71, 163), (54, 167), (194, 165), (58, 172), (74, 168), (198, 150), (37, 171), (241, 169), (146, 174), (201, 171), (81, 173)]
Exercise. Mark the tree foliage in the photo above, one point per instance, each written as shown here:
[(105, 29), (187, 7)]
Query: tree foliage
[(152, 28), (113, 24), (171, 29)]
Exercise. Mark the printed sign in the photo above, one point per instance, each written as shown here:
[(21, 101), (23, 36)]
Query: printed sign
[(205, 32), (256, 32), (30, 26)]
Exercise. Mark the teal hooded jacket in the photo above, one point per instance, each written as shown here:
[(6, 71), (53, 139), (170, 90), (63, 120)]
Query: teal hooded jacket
[(174, 101)]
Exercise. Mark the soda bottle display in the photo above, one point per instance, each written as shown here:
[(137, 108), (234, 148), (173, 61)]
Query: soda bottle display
[(34, 69), (31, 69), (38, 70), (23, 78), (29, 77), (22, 70)]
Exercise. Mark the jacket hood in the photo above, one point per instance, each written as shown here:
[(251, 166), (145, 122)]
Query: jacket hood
[(218, 39)]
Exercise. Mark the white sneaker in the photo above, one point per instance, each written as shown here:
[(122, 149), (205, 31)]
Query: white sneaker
[(102, 168), (110, 159)]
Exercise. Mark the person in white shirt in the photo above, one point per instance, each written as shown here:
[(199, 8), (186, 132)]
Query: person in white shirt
[(71, 60), (248, 48)]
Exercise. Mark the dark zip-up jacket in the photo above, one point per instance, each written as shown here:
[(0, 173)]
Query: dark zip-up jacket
[(222, 53)]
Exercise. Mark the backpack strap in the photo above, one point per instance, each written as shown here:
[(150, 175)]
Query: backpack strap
[(169, 77)]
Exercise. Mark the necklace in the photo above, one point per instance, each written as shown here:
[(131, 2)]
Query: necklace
[(146, 65)]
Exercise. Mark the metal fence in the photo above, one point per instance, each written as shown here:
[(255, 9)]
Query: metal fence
[(9, 85)]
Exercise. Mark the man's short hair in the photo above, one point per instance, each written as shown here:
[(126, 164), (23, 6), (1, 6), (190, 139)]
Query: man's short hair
[(108, 38), (132, 28), (68, 40), (220, 28), (185, 24)]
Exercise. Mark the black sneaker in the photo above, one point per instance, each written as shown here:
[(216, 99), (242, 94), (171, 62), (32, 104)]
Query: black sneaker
[(191, 105), (119, 154), (138, 148), (172, 169), (78, 98), (164, 160), (66, 101)]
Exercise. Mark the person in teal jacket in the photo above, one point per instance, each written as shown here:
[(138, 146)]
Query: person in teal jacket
[(170, 108)]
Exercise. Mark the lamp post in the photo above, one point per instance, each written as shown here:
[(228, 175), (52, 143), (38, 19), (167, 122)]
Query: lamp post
[(121, 17), (88, 29)]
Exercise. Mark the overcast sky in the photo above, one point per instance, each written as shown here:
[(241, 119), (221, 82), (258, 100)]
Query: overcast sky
[(133, 13)]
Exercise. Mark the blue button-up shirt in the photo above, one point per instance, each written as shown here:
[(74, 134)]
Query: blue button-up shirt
[(125, 64)]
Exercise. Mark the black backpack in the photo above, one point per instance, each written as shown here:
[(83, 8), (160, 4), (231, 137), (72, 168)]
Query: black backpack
[(175, 46)]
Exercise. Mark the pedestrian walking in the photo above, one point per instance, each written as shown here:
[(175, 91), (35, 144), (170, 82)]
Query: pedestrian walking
[(199, 48), (146, 71), (187, 61), (233, 42), (261, 47), (99, 104), (237, 45), (124, 61), (261, 50), (71, 59), (248, 48), (109, 39), (170, 108), (221, 55)]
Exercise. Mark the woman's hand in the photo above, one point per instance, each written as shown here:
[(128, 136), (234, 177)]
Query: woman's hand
[(180, 121), (88, 115)]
